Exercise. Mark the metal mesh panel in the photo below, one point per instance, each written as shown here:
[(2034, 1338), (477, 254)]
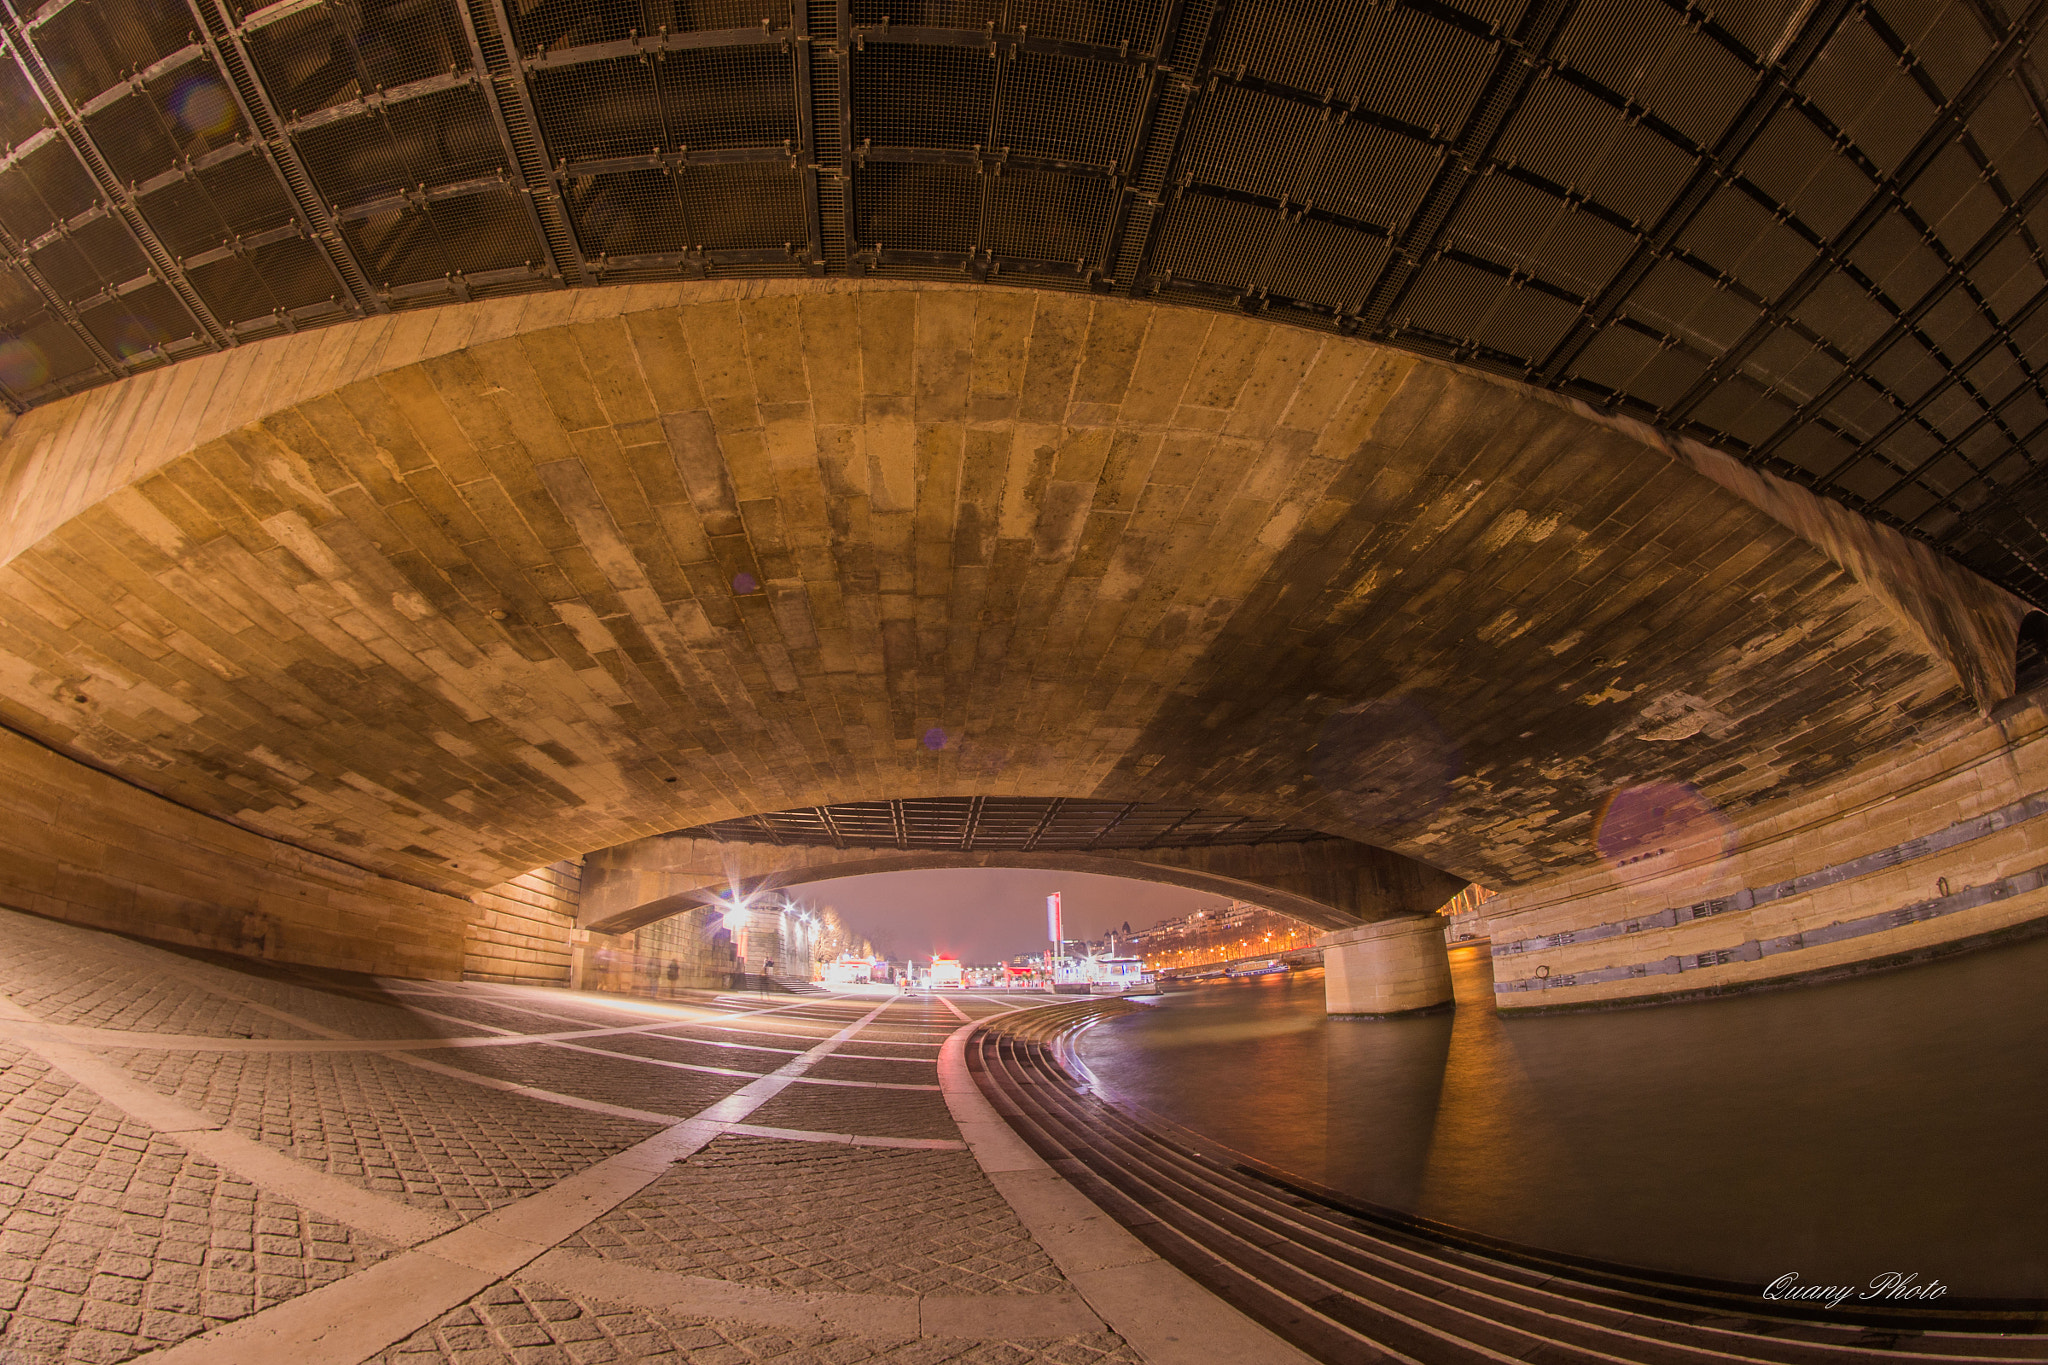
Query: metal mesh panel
[(1243, 140), (1417, 70), (728, 97), (1737, 236), (1450, 298), (93, 47), (486, 231), (239, 197), (951, 106), (42, 189), (972, 14), (287, 276), (19, 300), (131, 136), (1324, 264), (1951, 197), (629, 213), (21, 114), (233, 290), (746, 207), (47, 357), (1526, 323), (1036, 216), (1682, 303), (346, 49), (1580, 143), (1067, 109), (1859, 86), (1305, 46), (558, 24), (398, 247), (97, 254), (1371, 175), (1108, 22), (917, 208), (433, 140), (196, 109), (1202, 238), (147, 318), (445, 137), (601, 109)]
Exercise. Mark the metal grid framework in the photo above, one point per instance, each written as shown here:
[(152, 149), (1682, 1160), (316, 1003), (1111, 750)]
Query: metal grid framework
[(1016, 824), (1806, 231)]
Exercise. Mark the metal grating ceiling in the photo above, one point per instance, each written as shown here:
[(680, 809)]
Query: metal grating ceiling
[(1807, 231), (1022, 824)]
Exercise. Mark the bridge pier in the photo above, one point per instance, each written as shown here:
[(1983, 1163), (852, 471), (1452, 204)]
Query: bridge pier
[(1387, 969)]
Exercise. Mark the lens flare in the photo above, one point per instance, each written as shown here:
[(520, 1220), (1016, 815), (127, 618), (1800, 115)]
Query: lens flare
[(1639, 823), (744, 583), (204, 107), (22, 364), (935, 738), (131, 335)]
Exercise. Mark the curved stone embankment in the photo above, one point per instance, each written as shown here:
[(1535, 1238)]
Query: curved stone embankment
[(1350, 1283)]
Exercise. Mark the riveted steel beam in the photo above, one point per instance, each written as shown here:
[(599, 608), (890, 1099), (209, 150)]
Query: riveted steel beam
[(60, 307), (72, 128), (511, 100), (228, 47)]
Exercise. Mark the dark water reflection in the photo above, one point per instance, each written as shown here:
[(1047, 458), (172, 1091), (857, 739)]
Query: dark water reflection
[(1899, 1122)]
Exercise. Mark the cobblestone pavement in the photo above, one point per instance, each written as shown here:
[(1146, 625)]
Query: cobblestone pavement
[(114, 1240), (518, 1323), (231, 1136), (805, 1216), (434, 1141)]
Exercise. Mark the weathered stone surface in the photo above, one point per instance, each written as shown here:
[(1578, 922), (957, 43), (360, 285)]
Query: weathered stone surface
[(454, 603), (1909, 853)]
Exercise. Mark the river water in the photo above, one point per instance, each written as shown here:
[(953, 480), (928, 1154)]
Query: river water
[(1898, 1122)]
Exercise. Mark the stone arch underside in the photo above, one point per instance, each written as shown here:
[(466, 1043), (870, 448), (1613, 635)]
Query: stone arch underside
[(450, 596), (1334, 884)]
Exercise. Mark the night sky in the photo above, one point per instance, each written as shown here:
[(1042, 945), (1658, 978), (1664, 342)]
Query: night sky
[(986, 914)]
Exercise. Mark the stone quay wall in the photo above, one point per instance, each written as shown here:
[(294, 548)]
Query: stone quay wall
[(79, 845), (1911, 855)]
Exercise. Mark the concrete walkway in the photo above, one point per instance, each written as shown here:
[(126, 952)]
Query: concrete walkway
[(218, 1161)]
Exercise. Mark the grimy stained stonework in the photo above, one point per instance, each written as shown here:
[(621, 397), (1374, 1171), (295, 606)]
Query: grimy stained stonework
[(450, 596)]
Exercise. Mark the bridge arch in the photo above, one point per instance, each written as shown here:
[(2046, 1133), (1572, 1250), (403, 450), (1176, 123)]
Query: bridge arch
[(1332, 883), (420, 604)]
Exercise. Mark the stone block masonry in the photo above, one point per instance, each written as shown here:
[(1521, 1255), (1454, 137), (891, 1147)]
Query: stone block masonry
[(519, 930), (79, 845), (1911, 855)]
